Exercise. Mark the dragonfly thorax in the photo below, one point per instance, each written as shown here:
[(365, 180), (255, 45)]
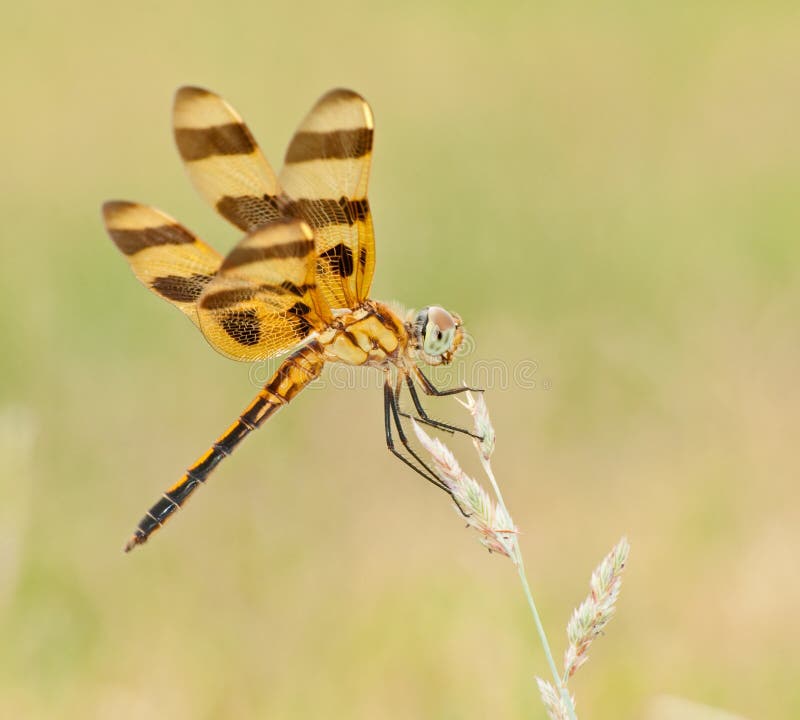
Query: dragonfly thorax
[(372, 335)]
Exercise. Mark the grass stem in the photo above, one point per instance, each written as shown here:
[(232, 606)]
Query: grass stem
[(517, 559)]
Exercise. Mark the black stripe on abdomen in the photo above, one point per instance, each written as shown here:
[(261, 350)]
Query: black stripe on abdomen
[(194, 477)]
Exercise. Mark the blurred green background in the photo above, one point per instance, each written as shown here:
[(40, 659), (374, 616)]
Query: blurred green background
[(610, 190)]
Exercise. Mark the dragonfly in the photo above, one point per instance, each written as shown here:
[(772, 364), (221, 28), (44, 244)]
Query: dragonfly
[(298, 280)]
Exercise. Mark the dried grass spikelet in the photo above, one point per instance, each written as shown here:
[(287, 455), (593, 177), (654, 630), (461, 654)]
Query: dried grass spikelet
[(476, 405), (553, 702), (491, 520), (591, 617)]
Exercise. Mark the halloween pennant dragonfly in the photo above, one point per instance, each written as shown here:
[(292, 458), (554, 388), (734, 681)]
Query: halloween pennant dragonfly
[(299, 279)]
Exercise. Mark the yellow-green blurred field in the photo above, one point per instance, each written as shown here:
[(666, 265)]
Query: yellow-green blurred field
[(610, 190)]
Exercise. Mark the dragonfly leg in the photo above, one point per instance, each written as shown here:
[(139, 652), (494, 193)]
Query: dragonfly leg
[(297, 371), (431, 389), (423, 417), (391, 413)]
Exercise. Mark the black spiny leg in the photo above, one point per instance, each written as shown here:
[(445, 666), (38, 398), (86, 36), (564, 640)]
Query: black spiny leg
[(391, 413), (423, 417), (431, 389)]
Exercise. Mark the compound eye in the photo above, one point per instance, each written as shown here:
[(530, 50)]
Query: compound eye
[(440, 332)]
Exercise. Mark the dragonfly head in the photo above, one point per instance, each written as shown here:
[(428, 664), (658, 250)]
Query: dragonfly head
[(437, 334)]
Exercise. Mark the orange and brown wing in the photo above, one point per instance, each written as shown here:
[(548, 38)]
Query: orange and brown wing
[(223, 160), (325, 176), (324, 180), (163, 254), (263, 299)]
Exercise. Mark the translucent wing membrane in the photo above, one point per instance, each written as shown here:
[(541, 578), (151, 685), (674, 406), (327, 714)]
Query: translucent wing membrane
[(163, 254), (223, 160), (263, 299), (324, 181), (326, 172)]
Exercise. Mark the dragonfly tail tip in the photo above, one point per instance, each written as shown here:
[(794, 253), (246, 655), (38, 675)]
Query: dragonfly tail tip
[(133, 542)]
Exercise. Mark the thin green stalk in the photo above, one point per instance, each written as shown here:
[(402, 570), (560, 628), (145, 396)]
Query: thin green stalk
[(517, 559), (542, 636)]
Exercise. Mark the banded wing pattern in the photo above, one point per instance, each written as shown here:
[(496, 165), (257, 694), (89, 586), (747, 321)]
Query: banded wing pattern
[(324, 180), (263, 299), (223, 160), (326, 173), (163, 254)]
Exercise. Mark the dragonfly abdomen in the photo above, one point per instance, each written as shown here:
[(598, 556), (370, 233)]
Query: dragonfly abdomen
[(295, 373)]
